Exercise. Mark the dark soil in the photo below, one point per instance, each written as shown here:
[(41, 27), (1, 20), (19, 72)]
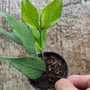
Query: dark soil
[(55, 70)]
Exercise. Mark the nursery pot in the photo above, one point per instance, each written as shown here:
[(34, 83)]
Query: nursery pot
[(56, 68)]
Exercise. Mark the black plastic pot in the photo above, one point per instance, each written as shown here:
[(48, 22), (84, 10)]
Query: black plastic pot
[(56, 55)]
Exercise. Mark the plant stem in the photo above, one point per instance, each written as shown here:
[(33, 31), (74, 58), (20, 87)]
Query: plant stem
[(41, 46), (43, 56), (41, 37)]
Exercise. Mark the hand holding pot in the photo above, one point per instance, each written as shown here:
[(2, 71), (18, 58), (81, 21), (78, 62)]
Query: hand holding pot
[(74, 82)]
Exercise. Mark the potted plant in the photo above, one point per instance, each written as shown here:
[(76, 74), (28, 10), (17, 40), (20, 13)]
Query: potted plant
[(45, 68)]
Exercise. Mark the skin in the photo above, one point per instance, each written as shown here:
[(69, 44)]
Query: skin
[(74, 82)]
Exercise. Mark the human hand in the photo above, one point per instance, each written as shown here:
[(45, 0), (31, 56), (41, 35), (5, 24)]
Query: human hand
[(74, 82)]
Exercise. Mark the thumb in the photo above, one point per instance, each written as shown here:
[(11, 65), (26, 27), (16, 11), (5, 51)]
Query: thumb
[(64, 84)]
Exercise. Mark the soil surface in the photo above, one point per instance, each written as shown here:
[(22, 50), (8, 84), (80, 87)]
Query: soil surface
[(56, 69)]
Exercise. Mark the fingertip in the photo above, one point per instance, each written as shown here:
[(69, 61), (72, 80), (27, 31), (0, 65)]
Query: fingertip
[(64, 84), (60, 82)]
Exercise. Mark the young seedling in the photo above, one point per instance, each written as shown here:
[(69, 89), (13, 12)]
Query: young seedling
[(32, 35)]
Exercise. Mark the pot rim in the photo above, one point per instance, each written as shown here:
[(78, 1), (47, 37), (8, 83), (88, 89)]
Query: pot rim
[(52, 52)]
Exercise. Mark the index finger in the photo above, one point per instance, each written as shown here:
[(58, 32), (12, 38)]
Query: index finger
[(80, 81)]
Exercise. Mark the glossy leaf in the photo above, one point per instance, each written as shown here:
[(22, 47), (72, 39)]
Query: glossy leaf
[(11, 36), (30, 14), (23, 32), (51, 14), (31, 67)]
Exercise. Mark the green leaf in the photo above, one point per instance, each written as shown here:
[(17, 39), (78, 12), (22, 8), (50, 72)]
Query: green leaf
[(11, 36), (30, 14), (36, 35), (51, 14), (31, 67), (23, 32)]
